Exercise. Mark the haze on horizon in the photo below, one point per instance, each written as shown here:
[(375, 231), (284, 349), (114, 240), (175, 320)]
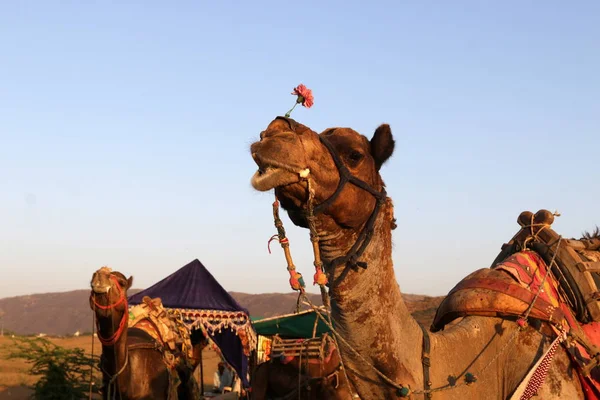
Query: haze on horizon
[(125, 131)]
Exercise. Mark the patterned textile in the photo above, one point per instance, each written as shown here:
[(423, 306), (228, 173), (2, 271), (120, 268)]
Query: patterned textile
[(535, 378), (529, 270)]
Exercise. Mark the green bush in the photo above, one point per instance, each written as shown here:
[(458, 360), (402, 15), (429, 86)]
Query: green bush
[(64, 373)]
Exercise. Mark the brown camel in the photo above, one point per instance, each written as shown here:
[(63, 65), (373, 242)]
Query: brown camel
[(366, 303), (318, 380), (133, 367)]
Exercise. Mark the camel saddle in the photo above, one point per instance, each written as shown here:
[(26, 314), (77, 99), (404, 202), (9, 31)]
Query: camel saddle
[(540, 275), (503, 290), (171, 337), (168, 330), (492, 293)]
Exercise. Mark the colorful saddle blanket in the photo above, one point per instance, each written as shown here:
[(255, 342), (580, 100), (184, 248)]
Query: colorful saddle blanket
[(508, 290), (164, 327)]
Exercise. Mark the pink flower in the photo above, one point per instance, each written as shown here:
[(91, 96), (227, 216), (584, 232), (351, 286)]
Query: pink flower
[(305, 96)]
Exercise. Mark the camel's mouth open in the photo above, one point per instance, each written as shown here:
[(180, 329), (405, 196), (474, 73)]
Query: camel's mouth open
[(271, 174), (271, 177)]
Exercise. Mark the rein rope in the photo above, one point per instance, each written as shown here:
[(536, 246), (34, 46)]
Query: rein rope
[(92, 357), (296, 280), (112, 383)]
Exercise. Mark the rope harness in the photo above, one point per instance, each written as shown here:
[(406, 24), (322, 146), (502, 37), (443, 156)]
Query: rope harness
[(112, 339), (351, 259)]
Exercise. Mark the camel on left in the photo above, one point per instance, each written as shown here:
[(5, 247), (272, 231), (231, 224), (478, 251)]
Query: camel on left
[(135, 364)]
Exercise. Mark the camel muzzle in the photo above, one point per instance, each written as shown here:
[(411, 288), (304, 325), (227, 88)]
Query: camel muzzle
[(100, 289)]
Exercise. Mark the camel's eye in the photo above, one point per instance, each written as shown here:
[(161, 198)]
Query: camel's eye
[(355, 156)]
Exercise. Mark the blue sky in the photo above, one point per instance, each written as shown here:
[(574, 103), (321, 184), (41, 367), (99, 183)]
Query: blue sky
[(125, 126)]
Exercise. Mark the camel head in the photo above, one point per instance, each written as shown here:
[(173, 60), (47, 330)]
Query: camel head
[(109, 291), (288, 154)]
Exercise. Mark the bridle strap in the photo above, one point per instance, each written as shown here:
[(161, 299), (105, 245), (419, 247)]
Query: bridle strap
[(345, 177), (363, 240), (112, 339), (122, 297)]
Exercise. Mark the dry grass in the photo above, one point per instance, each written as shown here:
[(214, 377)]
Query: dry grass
[(14, 373)]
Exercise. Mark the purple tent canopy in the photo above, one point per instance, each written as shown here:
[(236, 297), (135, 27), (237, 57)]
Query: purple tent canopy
[(204, 304)]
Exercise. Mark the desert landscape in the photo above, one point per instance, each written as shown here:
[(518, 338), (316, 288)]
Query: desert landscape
[(37, 314), (15, 380)]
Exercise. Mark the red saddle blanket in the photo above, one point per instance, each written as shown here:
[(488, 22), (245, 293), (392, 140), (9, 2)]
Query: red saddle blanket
[(508, 289)]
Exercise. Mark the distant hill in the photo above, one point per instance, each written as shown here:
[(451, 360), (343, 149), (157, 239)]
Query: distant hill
[(65, 313)]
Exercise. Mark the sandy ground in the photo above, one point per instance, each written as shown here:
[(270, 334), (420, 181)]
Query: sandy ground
[(14, 378)]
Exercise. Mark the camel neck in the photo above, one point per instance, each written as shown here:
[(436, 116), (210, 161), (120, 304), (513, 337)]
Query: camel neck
[(368, 309), (114, 357)]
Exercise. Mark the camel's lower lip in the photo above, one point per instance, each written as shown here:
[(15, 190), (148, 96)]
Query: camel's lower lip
[(100, 289), (267, 178)]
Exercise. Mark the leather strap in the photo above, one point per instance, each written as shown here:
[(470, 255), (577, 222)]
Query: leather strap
[(139, 346)]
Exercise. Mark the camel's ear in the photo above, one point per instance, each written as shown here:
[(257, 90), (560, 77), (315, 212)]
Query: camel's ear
[(129, 282), (382, 145)]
